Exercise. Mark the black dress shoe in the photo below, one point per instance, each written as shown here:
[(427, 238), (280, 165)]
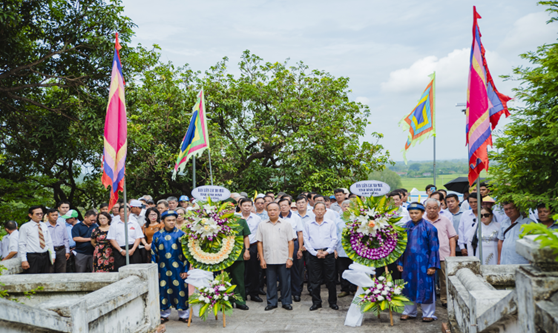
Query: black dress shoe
[(270, 307), (315, 307), (334, 306), (261, 292), (296, 298), (287, 307), (256, 298), (242, 307)]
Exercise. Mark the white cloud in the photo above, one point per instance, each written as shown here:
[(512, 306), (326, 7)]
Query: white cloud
[(529, 32), (451, 72)]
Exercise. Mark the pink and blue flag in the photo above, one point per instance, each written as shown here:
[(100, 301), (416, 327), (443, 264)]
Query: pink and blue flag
[(485, 106), (115, 138), (196, 139)]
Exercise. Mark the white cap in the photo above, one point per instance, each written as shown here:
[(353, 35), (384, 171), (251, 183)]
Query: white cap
[(135, 203)]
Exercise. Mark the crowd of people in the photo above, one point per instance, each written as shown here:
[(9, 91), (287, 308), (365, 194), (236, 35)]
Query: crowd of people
[(289, 242)]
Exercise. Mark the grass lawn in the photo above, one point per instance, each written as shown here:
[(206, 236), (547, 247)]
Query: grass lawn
[(420, 183)]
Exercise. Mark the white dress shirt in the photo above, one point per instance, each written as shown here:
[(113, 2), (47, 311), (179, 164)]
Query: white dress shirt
[(4, 245), (294, 220), (253, 222), (29, 240), (13, 244), (468, 221), (117, 232), (331, 215), (320, 236), (308, 216)]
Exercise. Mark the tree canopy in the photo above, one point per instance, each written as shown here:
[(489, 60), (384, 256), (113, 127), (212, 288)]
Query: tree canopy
[(271, 127), (526, 168)]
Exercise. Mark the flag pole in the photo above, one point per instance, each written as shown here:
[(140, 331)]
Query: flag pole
[(434, 160), (210, 170), (194, 170), (126, 223), (479, 208)]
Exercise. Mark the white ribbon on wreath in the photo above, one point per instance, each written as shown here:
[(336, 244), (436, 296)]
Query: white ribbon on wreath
[(358, 275), (199, 279)]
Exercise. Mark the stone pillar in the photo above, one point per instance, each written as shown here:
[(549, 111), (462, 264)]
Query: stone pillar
[(150, 274)]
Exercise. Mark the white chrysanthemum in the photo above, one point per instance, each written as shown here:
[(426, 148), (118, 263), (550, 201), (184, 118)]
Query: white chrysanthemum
[(381, 278), (201, 299), (221, 288), (389, 284), (377, 291), (368, 291), (380, 298), (379, 286), (207, 300), (226, 298), (384, 293), (397, 292)]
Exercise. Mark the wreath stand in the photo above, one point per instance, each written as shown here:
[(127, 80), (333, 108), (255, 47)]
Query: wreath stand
[(224, 317), (390, 313)]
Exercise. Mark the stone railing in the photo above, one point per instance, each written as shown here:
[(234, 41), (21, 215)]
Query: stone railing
[(127, 301), (504, 298)]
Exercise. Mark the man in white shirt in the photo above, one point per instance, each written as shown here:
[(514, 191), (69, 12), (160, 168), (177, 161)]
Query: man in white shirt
[(320, 238), (402, 211), (452, 202), (10, 242), (439, 195), (35, 245), (252, 266), (297, 268), (330, 214), (136, 209), (306, 215), (117, 238), (510, 229), (468, 221)]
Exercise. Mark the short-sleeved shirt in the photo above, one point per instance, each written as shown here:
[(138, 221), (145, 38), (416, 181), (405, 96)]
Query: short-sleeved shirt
[(243, 230), (445, 232), (117, 232), (253, 221), (508, 255), (275, 238), (82, 230), (308, 217), (294, 220)]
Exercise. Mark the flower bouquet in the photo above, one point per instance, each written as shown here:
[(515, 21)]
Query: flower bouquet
[(216, 297), (371, 237), (212, 242), (384, 294)]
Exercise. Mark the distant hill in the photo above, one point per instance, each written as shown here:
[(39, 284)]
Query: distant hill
[(424, 168)]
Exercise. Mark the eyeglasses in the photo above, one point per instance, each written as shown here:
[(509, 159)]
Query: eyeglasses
[(486, 215)]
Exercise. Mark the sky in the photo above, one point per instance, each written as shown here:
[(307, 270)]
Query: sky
[(386, 48)]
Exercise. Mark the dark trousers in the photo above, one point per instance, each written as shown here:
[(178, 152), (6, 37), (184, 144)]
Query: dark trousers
[(60, 263), (297, 271), (342, 265), (320, 270), (252, 271), (84, 263), (306, 256), (39, 263), (284, 274), (392, 269), (120, 260), (71, 263), (236, 272), (145, 255)]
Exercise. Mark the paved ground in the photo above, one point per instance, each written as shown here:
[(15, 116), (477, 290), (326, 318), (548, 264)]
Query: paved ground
[(300, 319)]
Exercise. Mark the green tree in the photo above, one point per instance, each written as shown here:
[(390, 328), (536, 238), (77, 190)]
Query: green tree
[(56, 61), (387, 176), (273, 127), (526, 155)]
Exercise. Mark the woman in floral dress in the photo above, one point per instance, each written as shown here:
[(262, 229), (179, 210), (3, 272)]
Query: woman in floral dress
[(103, 261)]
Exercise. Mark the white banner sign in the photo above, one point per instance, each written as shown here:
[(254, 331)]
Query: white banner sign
[(370, 188), (217, 193)]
